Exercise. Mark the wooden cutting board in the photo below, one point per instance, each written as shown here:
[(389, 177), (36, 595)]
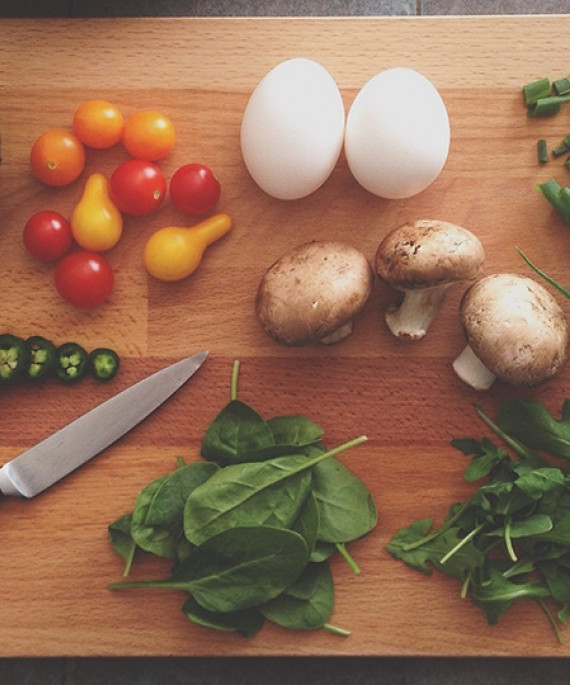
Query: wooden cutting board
[(56, 561)]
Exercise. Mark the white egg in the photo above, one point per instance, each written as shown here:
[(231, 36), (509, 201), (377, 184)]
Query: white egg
[(292, 129), (397, 134)]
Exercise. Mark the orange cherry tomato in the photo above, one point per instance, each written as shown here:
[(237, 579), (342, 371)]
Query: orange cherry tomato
[(57, 157), (149, 135), (98, 124)]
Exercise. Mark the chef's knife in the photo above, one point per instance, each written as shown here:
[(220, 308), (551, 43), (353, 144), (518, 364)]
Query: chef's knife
[(72, 446)]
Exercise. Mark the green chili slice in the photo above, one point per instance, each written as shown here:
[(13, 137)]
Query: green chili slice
[(71, 362), (14, 357), (103, 364), (41, 357)]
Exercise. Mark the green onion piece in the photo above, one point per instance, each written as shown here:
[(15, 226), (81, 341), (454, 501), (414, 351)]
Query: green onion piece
[(561, 86), (552, 191), (566, 140), (567, 163), (542, 151), (564, 195), (536, 90), (560, 150), (545, 107)]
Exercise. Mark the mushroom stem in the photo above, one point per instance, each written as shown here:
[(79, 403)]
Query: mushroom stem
[(472, 371), (338, 335), (413, 317)]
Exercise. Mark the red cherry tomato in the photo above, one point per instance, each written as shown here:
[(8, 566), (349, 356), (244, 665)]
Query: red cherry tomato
[(137, 187), (194, 189), (47, 235), (84, 279)]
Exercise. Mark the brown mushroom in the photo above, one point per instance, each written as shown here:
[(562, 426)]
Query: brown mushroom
[(515, 331), (422, 259), (313, 292)]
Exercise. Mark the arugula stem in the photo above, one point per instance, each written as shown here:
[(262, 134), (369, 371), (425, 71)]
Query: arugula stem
[(509, 542), (336, 630), (465, 586), (447, 556), (341, 547), (517, 446), (234, 381), (552, 620), (544, 275), (438, 531)]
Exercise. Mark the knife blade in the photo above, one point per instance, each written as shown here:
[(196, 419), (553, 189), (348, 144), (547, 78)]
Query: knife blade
[(70, 447)]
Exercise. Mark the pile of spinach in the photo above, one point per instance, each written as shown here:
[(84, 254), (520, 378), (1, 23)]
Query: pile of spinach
[(510, 540), (251, 528)]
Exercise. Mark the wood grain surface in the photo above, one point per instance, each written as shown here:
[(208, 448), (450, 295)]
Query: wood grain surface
[(55, 561)]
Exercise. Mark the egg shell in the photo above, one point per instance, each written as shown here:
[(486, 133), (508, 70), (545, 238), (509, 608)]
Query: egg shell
[(397, 134), (292, 129)]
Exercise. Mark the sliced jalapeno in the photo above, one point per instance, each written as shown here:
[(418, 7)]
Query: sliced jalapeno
[(41, 357), (71, 362), (103, 363), (14, 356)]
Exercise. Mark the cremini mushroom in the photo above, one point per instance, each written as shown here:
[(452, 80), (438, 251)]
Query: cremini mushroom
[(422, 259), (313, 293), (515, 331)]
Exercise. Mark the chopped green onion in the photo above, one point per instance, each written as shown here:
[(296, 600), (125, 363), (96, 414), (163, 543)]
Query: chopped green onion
[(536, 90), (560, 150), (542, 151), (566, 140), (558, 197), (561, 86), (567, 163), (546, 107)]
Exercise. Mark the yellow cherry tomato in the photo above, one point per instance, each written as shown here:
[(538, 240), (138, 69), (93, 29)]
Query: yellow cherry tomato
[(96, 223), (175, 252)]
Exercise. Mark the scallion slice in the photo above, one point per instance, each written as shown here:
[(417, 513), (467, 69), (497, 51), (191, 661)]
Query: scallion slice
[(558, 197), (536, 90), (560, 150), (561, 86), (546, 107), (542, 151)]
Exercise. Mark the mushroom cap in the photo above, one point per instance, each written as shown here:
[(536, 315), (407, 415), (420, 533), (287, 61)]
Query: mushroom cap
[(515, 327), (429, 253), (312, 291)]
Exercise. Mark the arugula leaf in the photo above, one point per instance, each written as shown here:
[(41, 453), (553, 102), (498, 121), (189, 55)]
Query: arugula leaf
[(496, 593), (533, 424)]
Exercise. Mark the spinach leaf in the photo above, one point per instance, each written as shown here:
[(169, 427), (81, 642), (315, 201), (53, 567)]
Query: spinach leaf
[(246, 622), (235, 433), (122, 541), (306, 604), (346, 508), (157, 516), (237, 569), (294, 431), (307, 522), (269, 492)]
